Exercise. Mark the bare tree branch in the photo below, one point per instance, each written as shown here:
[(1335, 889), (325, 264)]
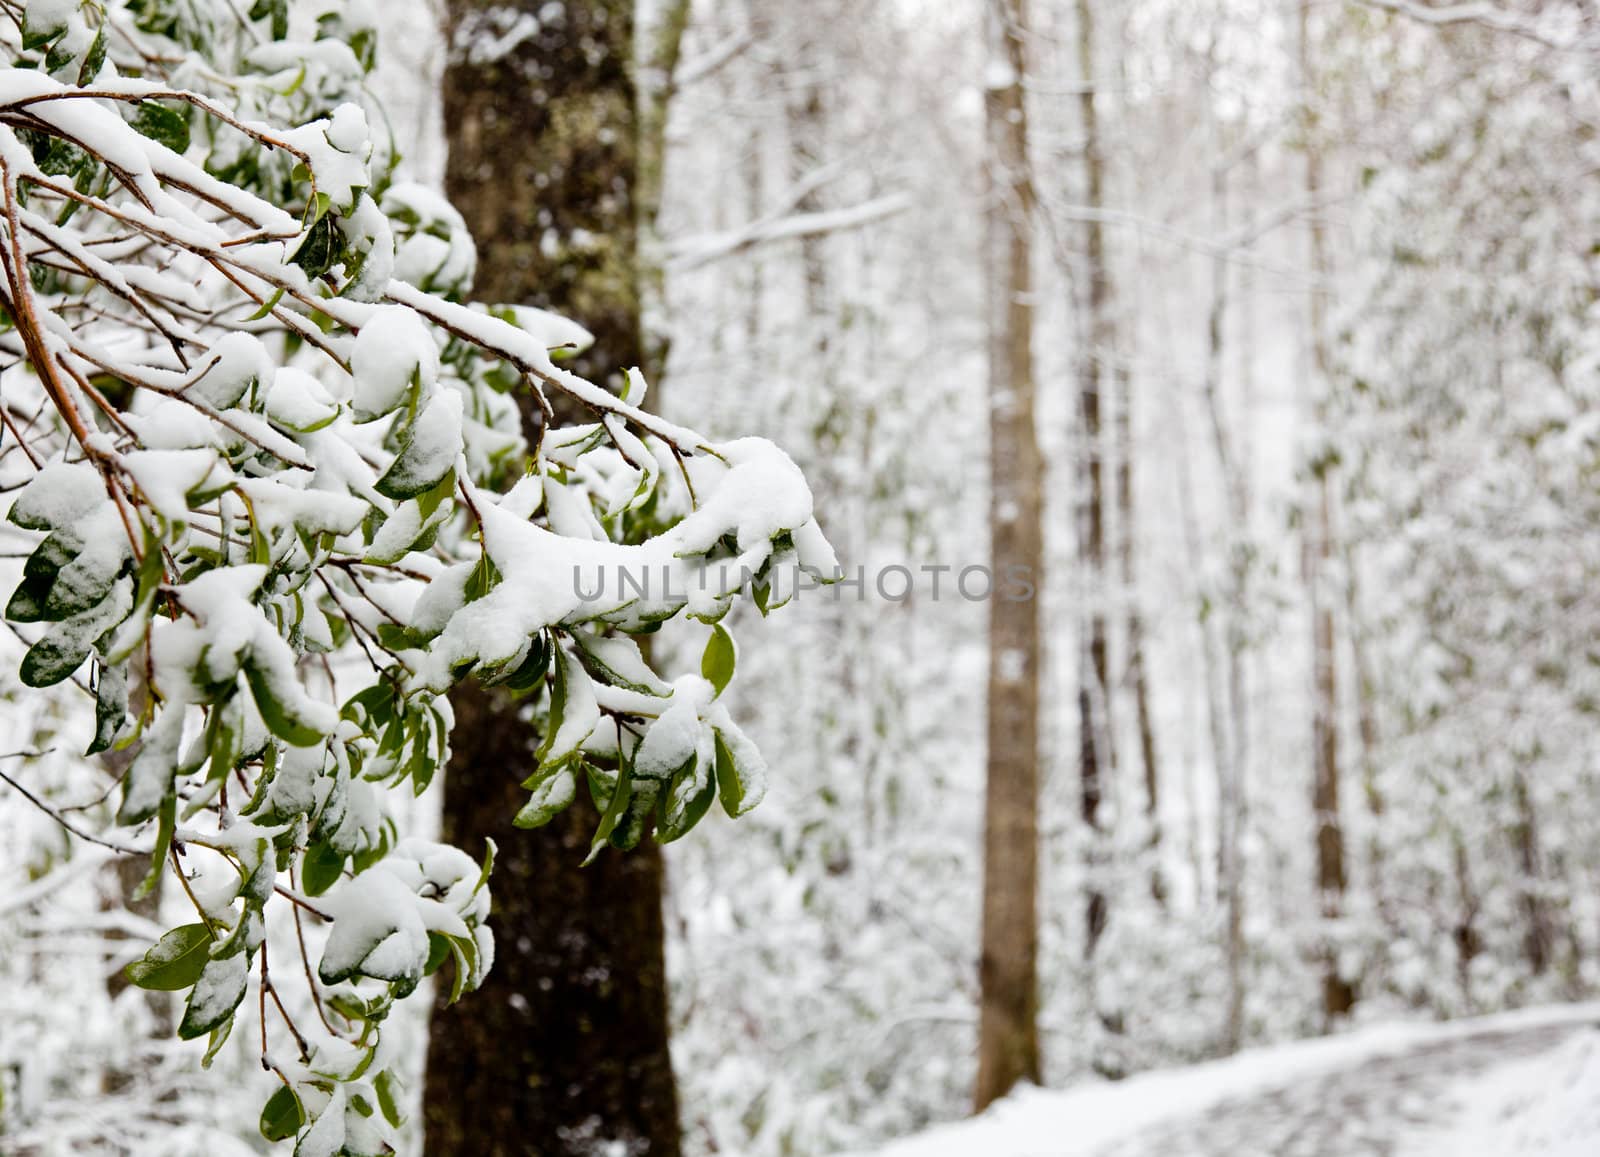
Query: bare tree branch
[(1476, 12), (693, 252)]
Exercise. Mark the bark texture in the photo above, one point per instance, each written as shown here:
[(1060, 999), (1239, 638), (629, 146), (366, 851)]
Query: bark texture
[(565, 1049), (1008, 1040)]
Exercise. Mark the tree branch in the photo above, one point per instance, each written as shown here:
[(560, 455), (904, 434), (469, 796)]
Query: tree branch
[(55, 814), (1483, 14)]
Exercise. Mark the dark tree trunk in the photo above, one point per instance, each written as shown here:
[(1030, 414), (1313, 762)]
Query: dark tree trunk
[(565, 1046)]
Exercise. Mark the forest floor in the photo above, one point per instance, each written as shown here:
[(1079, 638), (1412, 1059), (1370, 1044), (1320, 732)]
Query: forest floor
[(1516, 1085)]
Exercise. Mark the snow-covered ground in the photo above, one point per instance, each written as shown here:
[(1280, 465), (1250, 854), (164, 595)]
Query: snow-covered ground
[(1543, 1106), (1524, 1084)]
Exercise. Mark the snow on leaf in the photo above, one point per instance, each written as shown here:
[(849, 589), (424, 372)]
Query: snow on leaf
[(552, 791), (299, 402), (377, 931), (216, 994), (166, 478), (60, 494), (671, 740), (432, 445), (175, 961), (741, 770), (393, 349)]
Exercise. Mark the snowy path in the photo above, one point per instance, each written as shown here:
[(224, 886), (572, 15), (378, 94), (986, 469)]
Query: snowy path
[(1376, 1108), (1518, 1084)]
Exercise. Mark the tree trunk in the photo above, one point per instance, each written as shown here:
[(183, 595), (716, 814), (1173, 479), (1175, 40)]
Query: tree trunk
[(1338, 994), (1467, 940), (1231, 741), (1539, 936), (1107, 359), (1094, 683), (1138, 676), (1008, 1034), (565, 1048)]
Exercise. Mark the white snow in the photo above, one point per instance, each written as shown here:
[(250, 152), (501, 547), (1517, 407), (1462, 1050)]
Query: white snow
[(1542, 1106), (166, 477), (674, 737), (392, 349)]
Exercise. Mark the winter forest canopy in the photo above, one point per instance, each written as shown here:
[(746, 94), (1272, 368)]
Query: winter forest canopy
[(593, 577)]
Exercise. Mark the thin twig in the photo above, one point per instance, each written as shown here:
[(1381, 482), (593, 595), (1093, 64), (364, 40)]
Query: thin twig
[(300, 901), (56, 815), (305, 960)]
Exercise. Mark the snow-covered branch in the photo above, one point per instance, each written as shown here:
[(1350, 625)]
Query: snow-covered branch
[(693, 252)]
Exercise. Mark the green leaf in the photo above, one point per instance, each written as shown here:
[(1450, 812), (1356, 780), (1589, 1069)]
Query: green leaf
[(34, 36), (282, 1115), (175, 961), (319, 252), (400, 638), (60, 56), (423, 764), (321, 868), (738, 783), (219, 1037), (617, 662), (148, 783), (95, 57), (530, 674), (668, 827), (376, 703), (267, 307), (215, 995), (364, 43), (278, 11), (364, 859), (466, 957), (276, 713), (53, 658), (630, 828), (110, 706), (620, 795), (30, 602), (553, 790), (717, 660), (420, 466), (247, 926), (488, 865), (163, 125), (558, 708), (77, 590), (158, 858), (528, 671), (438, 952), (389, 1090), (148, 585)]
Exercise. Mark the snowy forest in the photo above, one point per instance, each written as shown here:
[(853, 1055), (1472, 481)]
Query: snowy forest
[(800, 578)]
